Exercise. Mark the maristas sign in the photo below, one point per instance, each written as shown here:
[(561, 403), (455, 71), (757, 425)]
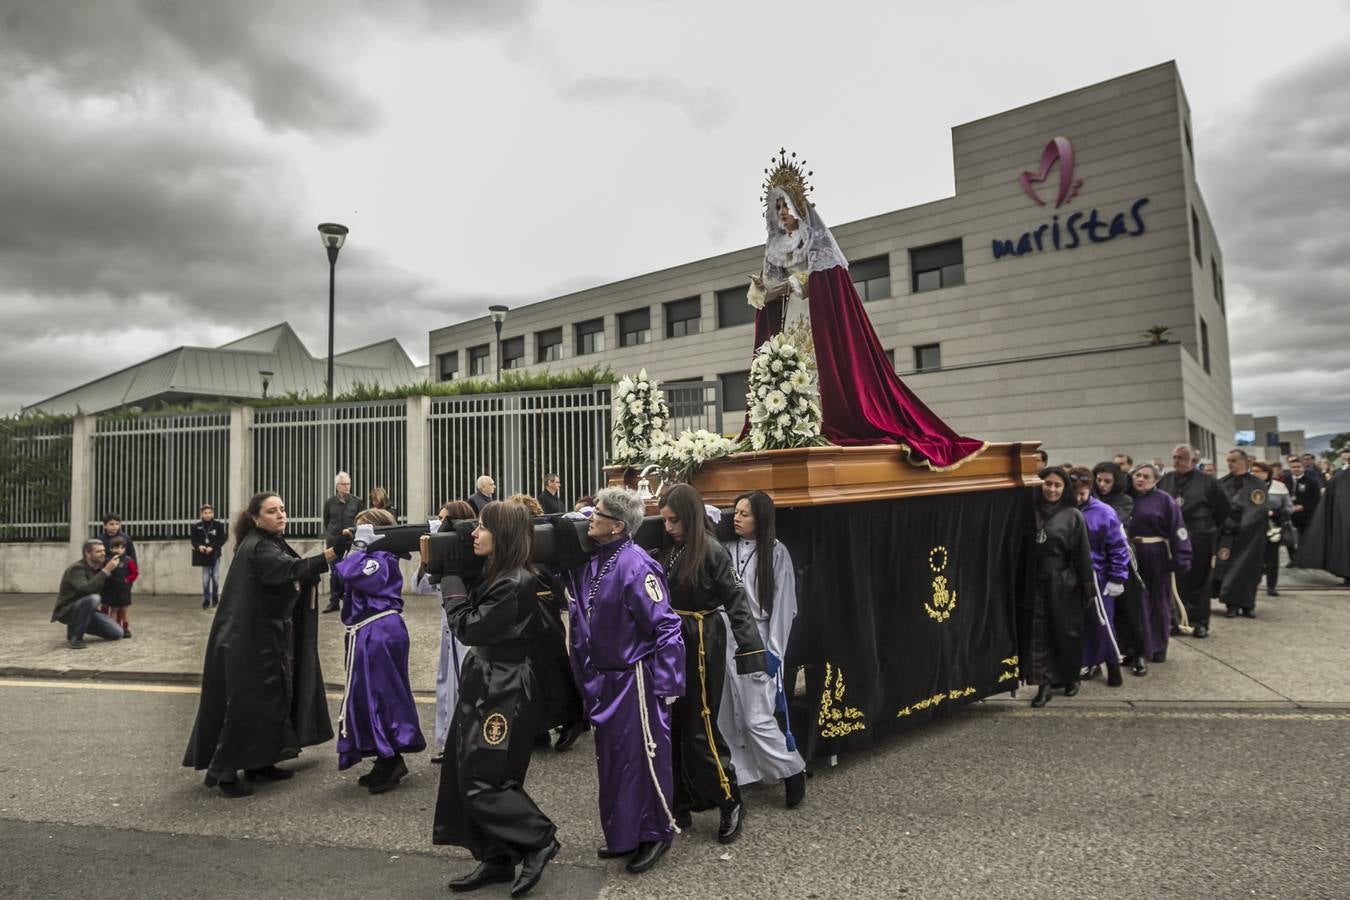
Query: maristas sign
[(1076, 228)]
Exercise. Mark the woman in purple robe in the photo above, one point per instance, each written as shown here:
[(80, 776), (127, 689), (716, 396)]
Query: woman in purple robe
[(1111, 565), (379, 715), (628, 657), (1162, 548)]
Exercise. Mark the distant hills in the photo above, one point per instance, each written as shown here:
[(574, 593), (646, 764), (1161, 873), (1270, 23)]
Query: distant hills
[(1318, 443)]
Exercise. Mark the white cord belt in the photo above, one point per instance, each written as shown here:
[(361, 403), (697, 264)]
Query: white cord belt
[(650, 742), (349, 645)]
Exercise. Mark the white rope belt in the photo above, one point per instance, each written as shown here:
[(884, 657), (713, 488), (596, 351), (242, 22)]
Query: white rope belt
[(651, 742), (349, 645)]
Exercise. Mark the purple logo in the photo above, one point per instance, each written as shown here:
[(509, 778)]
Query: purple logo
[(1058, 149)]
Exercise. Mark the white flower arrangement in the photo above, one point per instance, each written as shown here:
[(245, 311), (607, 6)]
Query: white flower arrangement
[(640, 418), (681, 458), (783, 394)]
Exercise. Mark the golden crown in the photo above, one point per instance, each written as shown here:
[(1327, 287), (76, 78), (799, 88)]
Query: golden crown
[(786, 173)]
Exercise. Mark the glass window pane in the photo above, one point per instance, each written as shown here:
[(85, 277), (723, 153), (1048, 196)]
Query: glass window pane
[(953, 275), (928, 281)]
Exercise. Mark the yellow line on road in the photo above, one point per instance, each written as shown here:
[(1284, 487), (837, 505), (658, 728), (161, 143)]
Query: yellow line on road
[(1289, 713), (142, 688)]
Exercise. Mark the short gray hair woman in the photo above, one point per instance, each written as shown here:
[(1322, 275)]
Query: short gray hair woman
[(623, 505)]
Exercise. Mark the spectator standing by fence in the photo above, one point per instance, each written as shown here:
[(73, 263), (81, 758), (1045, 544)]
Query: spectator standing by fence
[(339, 514), (78, 598), (485, 487), (112, 527), (208, 537), (550, 498)]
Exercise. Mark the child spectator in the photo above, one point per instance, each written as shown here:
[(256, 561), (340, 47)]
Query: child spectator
[(117, 589), (208, 537)]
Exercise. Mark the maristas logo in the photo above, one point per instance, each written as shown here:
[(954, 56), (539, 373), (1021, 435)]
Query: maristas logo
[(1060, 149), (1054, 235)]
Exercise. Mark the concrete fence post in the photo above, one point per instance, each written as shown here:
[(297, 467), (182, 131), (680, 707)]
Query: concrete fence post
[(418, 473), (240, 476), (81, 480)]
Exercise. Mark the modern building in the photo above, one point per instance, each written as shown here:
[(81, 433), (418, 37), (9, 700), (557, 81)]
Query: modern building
[(271, 361), (1262, 438), (1071, 291)]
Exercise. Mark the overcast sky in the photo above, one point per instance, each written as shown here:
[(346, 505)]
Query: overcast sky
[(164, 164)]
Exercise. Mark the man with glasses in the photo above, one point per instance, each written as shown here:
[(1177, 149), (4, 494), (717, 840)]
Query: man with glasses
[(1205, 509)]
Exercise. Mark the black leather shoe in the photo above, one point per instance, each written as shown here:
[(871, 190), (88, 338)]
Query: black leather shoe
[(532, 868), (1113, 678), (1139, 667), (1271, 592), (393, 774), (606, 853), (268, 773), (1176, 632), (1231, 613), (438, 758), (1247, 613), (332, 607), (232, 788), (567, 736), (1201, 631), (795, 787), (486, 873), (1042, 696), (646, 856), (1071, 690), (1092, 672), (378, 772), (730, 828)]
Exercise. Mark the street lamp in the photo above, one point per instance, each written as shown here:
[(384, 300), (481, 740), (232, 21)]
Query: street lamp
[(266, 380), (333, 237), (498, 312)]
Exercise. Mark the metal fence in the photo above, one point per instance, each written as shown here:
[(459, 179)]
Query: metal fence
[(154, 472), (694, 405), (35, 498), (517, 439), (297, 450)]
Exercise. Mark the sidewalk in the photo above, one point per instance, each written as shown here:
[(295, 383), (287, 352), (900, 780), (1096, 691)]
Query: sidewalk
[(1295, 654)]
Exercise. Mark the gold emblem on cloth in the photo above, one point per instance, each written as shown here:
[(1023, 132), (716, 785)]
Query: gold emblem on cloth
[(1224, 553), (1258, 497), (940, 608), (653, 587), (495, 729), (837, 719)]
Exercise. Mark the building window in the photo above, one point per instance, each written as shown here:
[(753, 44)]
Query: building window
[(1195, 236), (928, 357), (447, 365), (1201, 439), (872, 277), (1190, 150), (590, 337), (1204, 344), (733, 308), (890, 355), (735, 385), (548, 345), (512, 351), (683, 316), (478, 359), (635, 327), (937, 266), (1218, 282)]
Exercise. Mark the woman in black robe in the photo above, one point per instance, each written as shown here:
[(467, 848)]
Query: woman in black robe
[(1062, 577), (702, 585), (482, 805), (262, 693)]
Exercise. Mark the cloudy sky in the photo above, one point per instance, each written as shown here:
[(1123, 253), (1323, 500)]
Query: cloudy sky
[(165, 162)]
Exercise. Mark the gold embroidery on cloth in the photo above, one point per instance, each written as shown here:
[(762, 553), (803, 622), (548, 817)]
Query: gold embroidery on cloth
[(495, 728), (939, 697), (944, 600), (837, 721)]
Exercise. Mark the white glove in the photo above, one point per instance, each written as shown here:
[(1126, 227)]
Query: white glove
[(669, 701), (365, 536), (1113, 589)]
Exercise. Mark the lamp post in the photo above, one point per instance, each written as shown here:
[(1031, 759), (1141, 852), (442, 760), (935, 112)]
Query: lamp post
[(333, 236), (498, 312), (266, 380)]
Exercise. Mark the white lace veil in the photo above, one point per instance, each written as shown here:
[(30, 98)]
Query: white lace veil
[(812, 247)]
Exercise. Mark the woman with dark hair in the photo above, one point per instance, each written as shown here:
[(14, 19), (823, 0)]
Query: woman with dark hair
[(1063, 586), (379, 715), (702, 585), (262, 695), (1111, 566), (1162, 547), (452, 651), (482, 805), (1111, 486), (760, 750)]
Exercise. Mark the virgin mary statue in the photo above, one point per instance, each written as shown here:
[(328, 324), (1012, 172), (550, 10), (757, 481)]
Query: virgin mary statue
[(862, 400)]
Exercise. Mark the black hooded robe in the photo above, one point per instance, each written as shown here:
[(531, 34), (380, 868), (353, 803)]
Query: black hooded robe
[(1239, 560), (1062, 579), (1205, 508), (1325, 543), (262, 695)]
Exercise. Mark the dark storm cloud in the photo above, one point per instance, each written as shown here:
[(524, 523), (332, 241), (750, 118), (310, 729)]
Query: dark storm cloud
[(704, 107), (1278, 181)]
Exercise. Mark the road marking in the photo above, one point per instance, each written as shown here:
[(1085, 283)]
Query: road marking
[(1292, 713), (423, 697)]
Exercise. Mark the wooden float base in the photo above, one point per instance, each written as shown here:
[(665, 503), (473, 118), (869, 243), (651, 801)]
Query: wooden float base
[(814, 476)]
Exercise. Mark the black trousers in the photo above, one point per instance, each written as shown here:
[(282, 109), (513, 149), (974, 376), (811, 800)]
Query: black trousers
[(1271, 564), (1195, 586)]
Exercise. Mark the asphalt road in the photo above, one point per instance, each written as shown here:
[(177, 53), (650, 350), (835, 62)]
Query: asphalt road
[(994, 801)]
